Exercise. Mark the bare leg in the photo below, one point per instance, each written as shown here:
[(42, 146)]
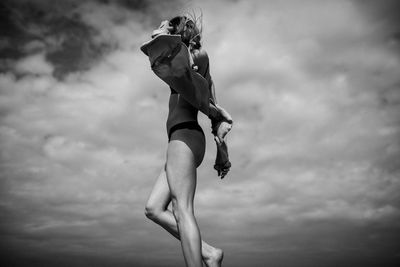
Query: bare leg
[(181, 177), (156, 210)]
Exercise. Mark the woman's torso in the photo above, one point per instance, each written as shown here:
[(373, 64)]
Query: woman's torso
[(179, 109)]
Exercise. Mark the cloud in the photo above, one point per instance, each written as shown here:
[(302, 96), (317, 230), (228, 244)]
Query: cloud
[(35, 64)]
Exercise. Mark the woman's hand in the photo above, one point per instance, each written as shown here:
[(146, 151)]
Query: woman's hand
[(224, 114), (224, 126), (222, 130), (165, 28), (222, 163)]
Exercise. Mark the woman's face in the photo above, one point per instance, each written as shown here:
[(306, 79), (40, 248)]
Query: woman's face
[(186, 28), (189, 31)]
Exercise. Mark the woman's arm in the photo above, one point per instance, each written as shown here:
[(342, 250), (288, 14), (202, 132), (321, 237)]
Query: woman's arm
[(202, 62), (212, 93), (221, 120)]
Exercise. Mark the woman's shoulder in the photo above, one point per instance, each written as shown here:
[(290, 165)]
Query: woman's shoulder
[(200, 52), (200, 56)]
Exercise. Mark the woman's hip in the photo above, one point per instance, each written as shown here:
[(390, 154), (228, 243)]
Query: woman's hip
[(192, 135)]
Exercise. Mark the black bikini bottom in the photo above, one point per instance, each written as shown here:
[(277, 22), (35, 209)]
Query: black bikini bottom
[(192, 125), (193, 136)]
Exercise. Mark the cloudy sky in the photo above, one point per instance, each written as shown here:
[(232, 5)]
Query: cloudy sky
[(313, 87)]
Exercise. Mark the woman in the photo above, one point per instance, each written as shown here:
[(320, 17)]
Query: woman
[(185, 152)]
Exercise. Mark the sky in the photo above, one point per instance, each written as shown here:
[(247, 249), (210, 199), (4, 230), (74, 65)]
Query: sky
[(314, 90)]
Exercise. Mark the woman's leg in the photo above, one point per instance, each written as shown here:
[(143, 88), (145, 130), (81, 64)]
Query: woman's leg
[(181, 177), (157, 206), (156, 210)]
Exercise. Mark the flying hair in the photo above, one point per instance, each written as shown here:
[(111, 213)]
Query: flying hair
[(190, 27), (198, 22)]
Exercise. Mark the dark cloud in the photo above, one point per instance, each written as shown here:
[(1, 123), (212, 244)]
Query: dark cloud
[(77, 50), (131, 4), (383, 11), (56, 29)]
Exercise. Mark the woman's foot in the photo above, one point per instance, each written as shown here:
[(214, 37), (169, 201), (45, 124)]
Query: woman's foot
[(214, 259)]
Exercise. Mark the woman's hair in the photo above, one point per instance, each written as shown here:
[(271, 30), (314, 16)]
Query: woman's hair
[(189, 28)]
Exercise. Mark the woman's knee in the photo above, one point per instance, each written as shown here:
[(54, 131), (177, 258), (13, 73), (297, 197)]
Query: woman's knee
[(152, 212)]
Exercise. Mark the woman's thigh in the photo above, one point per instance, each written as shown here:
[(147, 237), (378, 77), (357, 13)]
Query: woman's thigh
[(194, 140), (181, 173)]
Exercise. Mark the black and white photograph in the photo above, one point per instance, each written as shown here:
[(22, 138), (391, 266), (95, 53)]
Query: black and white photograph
[(199, 133)]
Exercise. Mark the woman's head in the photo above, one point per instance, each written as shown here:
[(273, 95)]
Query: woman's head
[(187, 28)]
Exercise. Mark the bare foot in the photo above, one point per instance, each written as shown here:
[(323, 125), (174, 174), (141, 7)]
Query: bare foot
[(214, 259)]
